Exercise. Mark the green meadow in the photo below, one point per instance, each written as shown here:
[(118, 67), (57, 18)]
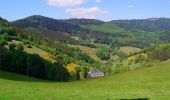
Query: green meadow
[(151, 83)]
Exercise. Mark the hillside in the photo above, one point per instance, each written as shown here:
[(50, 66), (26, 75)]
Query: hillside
[(84, 21), (42, 22), (105, 27), (35, 55), (151, 24), (149, 83)]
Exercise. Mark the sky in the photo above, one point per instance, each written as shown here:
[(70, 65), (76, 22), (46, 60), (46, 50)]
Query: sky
[(105, 10)]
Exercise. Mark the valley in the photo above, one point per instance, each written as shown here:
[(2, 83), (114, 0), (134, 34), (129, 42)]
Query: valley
[(46, 58)]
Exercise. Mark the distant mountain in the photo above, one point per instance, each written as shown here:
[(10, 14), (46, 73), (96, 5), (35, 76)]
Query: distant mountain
[(138, 32), (68, 25), (1, 19), (52, 28), (41, 22), (151, 24), (4, 22), (84, 21), (55, 28)]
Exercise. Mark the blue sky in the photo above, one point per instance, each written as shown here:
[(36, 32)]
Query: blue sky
[(100, 9)]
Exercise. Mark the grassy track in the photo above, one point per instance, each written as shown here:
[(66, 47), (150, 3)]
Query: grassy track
[(152, 83)]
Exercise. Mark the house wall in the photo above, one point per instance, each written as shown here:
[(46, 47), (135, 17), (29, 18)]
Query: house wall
[(97, 75)]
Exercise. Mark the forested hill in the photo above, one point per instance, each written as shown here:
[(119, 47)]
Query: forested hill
[(151, 24), (139, 32), (2, 20), (71, 26), (84, 21), (74, 25), (41, 22)]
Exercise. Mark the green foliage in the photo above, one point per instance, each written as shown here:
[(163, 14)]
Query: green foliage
[(85, 71), (12, 46), (120, 68), (78, 70), (84, 21), (17, 61), (106, 27), (122, 55), (103, 53), (88, 45), (19, 47), (3, 42), (161, 52), (64, 58), (84, 57), (57, 72), (158, 24)]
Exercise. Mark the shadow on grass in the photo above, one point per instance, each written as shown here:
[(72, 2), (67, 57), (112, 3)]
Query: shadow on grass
[(136, 99), (18, 77)]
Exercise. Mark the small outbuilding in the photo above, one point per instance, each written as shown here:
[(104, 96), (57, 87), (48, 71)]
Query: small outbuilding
[(95, 73)]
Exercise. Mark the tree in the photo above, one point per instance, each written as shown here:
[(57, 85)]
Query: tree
[(5, 58), (35, 66), (11, 46), (19, 47), (85, 71), (84, 57), (3, 42), (103, 53), (78, 70)]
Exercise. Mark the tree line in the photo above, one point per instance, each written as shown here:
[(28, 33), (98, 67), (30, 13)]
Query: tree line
[(18, 61)]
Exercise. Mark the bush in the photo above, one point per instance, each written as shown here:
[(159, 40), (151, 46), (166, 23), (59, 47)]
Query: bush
[(3, 42), (88, 45), (11, 46), (161, 53), (84, 57), (19, 47), (103, 54)]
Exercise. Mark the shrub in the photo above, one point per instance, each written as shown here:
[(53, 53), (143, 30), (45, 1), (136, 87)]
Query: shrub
[(103, 54), (19, 47), (29, 46), (3, 42), (11, 46), (84, 57), (161, 53)]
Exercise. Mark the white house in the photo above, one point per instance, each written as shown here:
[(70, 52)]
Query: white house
[(95, 73)]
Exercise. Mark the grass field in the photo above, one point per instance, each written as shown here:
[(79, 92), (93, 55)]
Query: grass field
[(128, 50), (151, 83), (111, 28)]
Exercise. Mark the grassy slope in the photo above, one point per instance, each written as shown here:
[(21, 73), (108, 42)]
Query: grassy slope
[(34, 50), (152, 83), (111, 28), (127, 49), (90, 51)]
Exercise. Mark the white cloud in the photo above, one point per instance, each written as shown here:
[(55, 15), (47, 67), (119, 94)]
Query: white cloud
[(85, 12), (62, 3), (88, 17), (131, 6), (98, 1)]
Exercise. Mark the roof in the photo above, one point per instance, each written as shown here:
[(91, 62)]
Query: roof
[(95, 71)]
